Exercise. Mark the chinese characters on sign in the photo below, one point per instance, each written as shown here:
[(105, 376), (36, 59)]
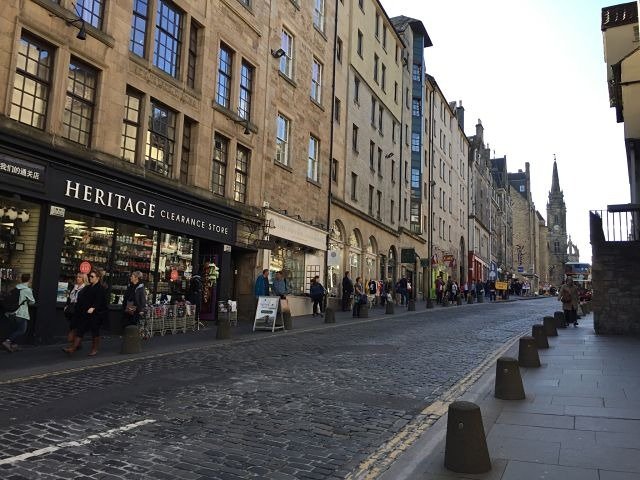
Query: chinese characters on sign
[(19, 168)]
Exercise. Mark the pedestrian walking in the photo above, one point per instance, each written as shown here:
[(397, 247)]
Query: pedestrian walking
[(568, 295), (358, 297), (21, 314), (347, 291), (70, 312), (92, 310), (317, 293), (135, 299)]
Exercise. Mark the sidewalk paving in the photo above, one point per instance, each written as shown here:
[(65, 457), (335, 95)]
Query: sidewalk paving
[(580, 419)]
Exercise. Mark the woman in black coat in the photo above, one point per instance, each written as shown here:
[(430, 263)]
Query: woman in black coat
[(91, 309)]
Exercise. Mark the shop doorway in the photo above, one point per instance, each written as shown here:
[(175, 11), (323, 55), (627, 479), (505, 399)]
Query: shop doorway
[(209, 271)]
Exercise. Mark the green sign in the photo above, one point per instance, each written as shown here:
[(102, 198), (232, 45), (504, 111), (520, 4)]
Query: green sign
[(408, 255)]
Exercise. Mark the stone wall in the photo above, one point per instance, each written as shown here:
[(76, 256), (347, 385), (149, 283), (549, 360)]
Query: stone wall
[(616, 290)]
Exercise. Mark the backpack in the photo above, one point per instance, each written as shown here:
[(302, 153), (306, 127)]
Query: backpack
[(11, 302)]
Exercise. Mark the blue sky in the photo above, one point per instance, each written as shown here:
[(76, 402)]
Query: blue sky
[(533, 71)]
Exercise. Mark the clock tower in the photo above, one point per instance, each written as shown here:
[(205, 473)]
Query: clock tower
[(557, 225)]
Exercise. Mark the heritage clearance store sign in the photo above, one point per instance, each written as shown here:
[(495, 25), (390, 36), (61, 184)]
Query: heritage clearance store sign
[(150, 209)]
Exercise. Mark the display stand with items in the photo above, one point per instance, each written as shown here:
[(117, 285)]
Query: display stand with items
[(228, 312), (163, 319)]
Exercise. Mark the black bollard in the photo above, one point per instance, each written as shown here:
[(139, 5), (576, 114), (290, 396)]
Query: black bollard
[(560, 320), (469, 299), (287, 320), (224, 330), (508, 380), (459, 300), (537, 331), (466, 445), (131, 340), (411, 305), (364, 310), (389, 307), (550, 326), (429, 303), (528, 353), (329, 315)]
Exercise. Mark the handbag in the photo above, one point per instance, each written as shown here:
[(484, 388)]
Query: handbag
[(131, 308)]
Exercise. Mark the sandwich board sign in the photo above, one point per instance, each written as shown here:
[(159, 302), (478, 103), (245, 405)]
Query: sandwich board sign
[(268, 314)]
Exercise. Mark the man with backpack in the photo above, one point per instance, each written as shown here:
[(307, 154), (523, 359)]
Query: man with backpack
[(16, 304)]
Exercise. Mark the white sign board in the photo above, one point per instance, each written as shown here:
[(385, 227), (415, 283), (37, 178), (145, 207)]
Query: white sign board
[(267, 314)]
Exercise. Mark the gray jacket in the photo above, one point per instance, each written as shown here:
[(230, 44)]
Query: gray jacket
[(26, 299)]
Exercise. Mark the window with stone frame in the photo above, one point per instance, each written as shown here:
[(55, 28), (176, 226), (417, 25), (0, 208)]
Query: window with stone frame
[(168, 38), (282, 139), (192, 54), (91, 11), (318, 14), (243, 157), (187, 149), (286, 60), (246, 90), (161, 139), (316, 81), (225, 72), (139, 19), (130, 125), (32, 82), (82, 82), (313, 159), (219, 164)]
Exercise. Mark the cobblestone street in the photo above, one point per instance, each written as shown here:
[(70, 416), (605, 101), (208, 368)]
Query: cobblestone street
[(304, 405)]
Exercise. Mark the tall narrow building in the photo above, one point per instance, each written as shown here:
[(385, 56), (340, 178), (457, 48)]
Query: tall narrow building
[(557, 223)]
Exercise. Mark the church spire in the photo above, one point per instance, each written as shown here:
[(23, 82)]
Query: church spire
[(555, 182)]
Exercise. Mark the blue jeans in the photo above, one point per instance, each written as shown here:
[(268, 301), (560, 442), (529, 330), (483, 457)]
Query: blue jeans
[(21, 329)]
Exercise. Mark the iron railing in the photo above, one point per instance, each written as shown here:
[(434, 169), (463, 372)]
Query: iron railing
[(620, 223)]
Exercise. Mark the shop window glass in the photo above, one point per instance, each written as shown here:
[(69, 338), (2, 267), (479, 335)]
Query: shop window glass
[(19, 222), (86, 239), (174, 267), (134, 250), (290, 261)]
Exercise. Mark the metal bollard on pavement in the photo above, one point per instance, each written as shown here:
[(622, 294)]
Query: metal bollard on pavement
[(411, 305), (466, 445), (537, 332), (528, 353), (329, 315), (560, 320), (508, 381), (364, 310), (131, 340), (550, 326), (389, 308)]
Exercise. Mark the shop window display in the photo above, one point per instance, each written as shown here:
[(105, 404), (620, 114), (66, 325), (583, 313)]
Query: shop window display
[(18, 239), (86, 239), (290, 261), (174, 267), (134, 250)]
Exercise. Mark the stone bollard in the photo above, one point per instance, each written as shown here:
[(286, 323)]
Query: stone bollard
[(537, 331), (389, 308), (481, 298), (223, 331), (466, 445), (560, 320), (329, 315), (508, 380), (459, 300), (550, 326), (429, 303), (131, 340), (528, 353), (411, 305), (364, 310), (287, 320), (469, 299)]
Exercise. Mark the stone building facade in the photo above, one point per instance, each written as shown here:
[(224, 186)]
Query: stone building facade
[(449, 194), (480, 205), (502, 224)]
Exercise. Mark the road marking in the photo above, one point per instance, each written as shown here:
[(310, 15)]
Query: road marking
[(78, 443), (381, 459)]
